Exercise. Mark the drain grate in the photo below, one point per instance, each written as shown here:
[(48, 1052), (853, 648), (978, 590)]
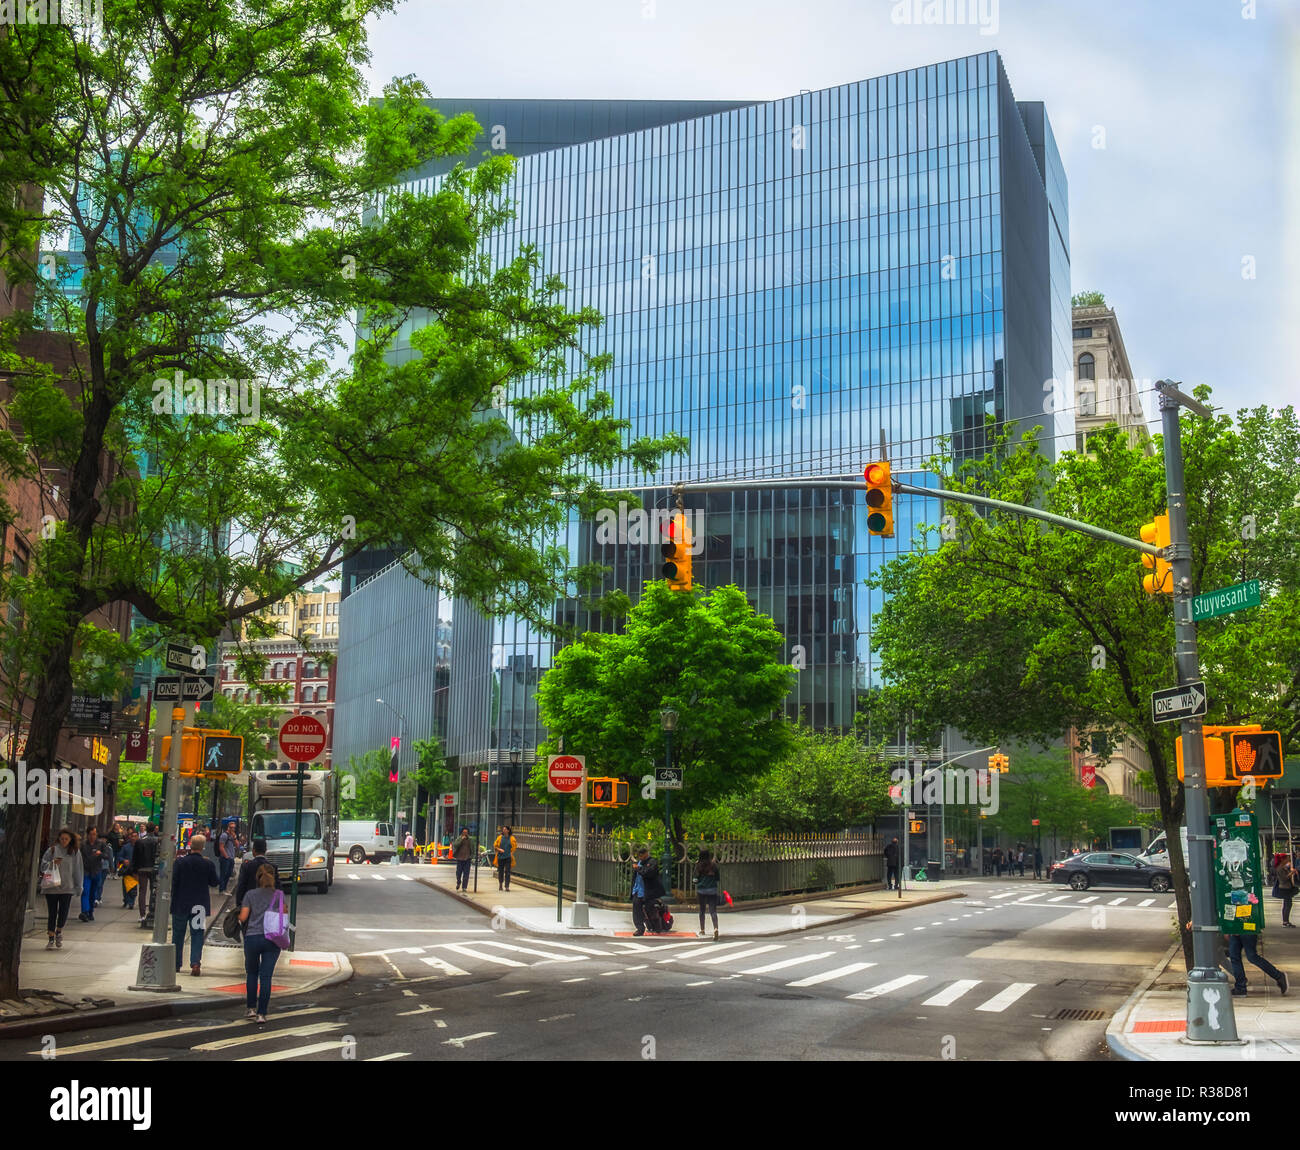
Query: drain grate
[(786, 997), (1076, 1014)]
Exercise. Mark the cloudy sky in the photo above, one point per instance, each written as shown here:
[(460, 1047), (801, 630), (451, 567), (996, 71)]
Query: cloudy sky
[(1178, 122)]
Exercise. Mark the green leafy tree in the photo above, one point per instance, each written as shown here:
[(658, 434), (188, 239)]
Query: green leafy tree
[(1043, 787), (710, 657), (219, 169), (1012, 631), (827, 782), (1088, 299), (365, 789)]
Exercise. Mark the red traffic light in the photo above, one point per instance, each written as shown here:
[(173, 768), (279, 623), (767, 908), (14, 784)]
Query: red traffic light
[(880, 499)]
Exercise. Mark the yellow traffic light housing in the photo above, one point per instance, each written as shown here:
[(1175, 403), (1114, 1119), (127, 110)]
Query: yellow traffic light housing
[(916, 826), (677, 554), (1161, 582), (606, 793), (999, 764), (1215, 772), (880, 499), (1255, 754), (207, 752)]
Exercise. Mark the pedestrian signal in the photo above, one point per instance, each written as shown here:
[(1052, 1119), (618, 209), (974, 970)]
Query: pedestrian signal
[(880, 500), (917, 826), (606, 793), (1255, 754)]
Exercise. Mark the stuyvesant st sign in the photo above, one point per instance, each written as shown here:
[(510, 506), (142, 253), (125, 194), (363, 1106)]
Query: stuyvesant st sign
[(1175, 703)]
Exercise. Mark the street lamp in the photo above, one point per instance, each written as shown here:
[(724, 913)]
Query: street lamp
[(668, 720), (516, 756), (401, 735)]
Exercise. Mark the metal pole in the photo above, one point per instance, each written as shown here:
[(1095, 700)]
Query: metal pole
[(478, 831), (904, 839), (580, 919), (1209, 1005), (559, 864), (668, 814), (297, 836)]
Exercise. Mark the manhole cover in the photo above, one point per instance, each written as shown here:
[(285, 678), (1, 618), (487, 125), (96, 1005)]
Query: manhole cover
[(1075, 1014), (786, 997)]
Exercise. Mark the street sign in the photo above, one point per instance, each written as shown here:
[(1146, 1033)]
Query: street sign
[(449, 800), (1033, 822), (564, 773), (668, 778), (91, 711), (1226, 600), (187, 687), (146, 794), (182, 657), (302, 738), (223, 754), (1175, 703), (1088, 775)]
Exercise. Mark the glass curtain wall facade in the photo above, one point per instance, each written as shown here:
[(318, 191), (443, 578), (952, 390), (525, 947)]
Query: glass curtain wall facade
[(788, 283)]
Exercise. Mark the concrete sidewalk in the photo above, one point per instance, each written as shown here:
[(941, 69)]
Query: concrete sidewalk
[(1151, 1026), (534, 910), (91, 977)]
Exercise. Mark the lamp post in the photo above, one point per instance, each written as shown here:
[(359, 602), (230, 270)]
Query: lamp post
[(516, 757), (668, 720), (401, 736)]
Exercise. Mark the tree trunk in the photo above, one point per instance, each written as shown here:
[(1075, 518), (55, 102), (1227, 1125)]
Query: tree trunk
[(52, 698), (1171, 811)]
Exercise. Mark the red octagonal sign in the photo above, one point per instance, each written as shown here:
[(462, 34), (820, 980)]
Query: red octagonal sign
[(564, 773), (302, 738)]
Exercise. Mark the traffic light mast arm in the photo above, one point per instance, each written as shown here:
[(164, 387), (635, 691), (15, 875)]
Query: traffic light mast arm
[(1031, 512)]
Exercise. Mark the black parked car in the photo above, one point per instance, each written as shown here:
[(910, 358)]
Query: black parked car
[(1111, 868)]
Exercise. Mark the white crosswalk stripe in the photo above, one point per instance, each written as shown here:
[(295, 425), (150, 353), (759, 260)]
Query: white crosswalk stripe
[(178, 1031), (1005, 998), (832, 975), (741, 954), (1059, 898), (264, 1035), (1005, 894), (469, 952), (950, 994), (1030, 897), (1117, 902), (1090, 898), (293, 1052), (888, 987), (1146, 902), (548, 955), (786, 962)]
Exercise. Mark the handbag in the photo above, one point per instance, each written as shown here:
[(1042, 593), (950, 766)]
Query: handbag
[(51, 877), (275, 922), (230, 923)]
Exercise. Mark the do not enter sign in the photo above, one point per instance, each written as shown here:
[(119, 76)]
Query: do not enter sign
[(564, 774), (302, 738)]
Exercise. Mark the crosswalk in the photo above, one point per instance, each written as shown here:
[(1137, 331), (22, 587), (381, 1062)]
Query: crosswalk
[(1074, 898), (295, 1033), (782, 962)]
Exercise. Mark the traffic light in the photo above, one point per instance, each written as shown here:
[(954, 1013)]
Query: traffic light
[(1255, 754), (999, 764), (393, 774), (677, 554), (606, 793), (1162, 581), (916, 826), (1216, 774), (880, 500)]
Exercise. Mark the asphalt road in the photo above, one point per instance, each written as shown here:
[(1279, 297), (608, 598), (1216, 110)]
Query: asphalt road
[(1015, 971)]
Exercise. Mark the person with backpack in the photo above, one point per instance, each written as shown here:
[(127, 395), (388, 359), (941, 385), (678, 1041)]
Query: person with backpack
[(248, 871), (708, 886), (260, 952), (62, 876), (504, 857)]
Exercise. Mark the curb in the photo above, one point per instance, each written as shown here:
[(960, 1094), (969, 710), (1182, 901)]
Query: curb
[(147, 1012), (866, 912), (1115, 1030)]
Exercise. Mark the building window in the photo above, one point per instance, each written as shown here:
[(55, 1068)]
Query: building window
[(1087, 398), (1080, 442), (1087, 366), (1083, 333)]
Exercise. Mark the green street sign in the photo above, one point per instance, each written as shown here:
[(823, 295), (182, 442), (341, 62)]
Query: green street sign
[(1226, 600)]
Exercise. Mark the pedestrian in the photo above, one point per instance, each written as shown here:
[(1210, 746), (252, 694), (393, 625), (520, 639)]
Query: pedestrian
[(708, 885), (130, 885), (504, 858), (1284, 886), (462, 852), (646, 887), (1038, 862), (62, 876), (260, 953), (408, 851), (1248, 944), (114, 838), (144, 868), (192, 876), (94, 858), (248, 871), (1020, 861), (997, 861), (891, 865), (226, 846)]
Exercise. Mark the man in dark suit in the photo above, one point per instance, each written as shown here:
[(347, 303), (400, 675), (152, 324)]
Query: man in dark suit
[(248, 871), (192, 877)]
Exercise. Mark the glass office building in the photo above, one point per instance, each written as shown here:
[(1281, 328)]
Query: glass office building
[(788, 284)]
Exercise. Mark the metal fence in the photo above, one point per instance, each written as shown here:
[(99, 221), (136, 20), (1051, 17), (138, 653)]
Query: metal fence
[(764, 868)]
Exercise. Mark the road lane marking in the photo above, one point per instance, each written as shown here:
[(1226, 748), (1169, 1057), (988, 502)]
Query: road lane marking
[(1059, 898), (771, 966), (557, 1017), (1005, 894), (512, 993), (1006, 997), (574, 946), (583, 979), (1030, 897), (263, 1035), (405, 878), (1146, 902), (888, 987), (443, 965), (706, 982), (355, 877), (294, 1052), (949, 995), (742, 954), (1116, 901), (550, 956), (87, 1047), (1090, 898), (418, 930), (389, 1057), (829, 975), (460, 1042), (425, 1008)]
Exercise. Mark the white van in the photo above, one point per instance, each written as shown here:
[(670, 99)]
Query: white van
[(1157, 850), (360, 840)]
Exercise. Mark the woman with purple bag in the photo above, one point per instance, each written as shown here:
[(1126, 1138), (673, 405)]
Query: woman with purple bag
[(266, 932)]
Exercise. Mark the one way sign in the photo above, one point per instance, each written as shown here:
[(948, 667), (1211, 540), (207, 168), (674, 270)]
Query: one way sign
[(198, 687), (1175, 703)]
